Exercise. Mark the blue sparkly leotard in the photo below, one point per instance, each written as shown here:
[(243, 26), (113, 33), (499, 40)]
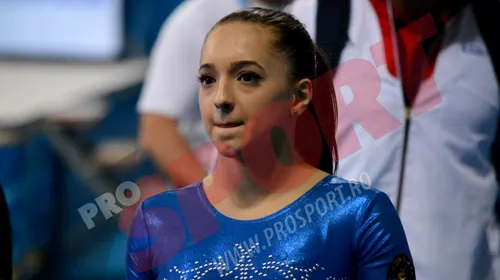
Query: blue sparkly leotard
[(337, 230)]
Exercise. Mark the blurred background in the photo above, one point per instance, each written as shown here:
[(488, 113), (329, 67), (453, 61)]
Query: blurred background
[(71, 72), (70, 77)]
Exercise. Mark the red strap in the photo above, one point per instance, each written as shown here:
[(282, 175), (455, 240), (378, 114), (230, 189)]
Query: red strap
[(415, 64)]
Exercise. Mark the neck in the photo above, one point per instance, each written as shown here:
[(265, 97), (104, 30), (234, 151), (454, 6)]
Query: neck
[(250, 178)]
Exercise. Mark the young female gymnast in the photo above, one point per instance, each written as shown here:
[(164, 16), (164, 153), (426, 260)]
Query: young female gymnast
[(271, 209)]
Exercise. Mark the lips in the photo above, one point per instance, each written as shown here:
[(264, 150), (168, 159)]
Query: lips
[(228, 124)]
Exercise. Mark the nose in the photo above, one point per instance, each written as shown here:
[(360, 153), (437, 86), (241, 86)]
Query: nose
[(223, 102), (224, 107)]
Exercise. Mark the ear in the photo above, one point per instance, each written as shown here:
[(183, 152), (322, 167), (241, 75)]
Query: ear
[(302, 97)]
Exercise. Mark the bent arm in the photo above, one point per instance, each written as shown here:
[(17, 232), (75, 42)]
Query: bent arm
[(383, 251), (160, 137), (138, 261), (169, 90)]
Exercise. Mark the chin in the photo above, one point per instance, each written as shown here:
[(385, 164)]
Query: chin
[(229, 149)]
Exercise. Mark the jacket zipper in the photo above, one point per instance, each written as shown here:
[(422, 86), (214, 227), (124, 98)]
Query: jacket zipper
[(407, 104), (403, 154)]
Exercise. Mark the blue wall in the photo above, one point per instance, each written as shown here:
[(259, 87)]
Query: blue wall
[(44, 195)]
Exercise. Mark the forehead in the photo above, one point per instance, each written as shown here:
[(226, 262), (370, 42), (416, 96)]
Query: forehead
[(240, 41)]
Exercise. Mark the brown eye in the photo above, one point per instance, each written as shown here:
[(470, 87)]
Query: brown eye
[(249, 78), (205, 80)]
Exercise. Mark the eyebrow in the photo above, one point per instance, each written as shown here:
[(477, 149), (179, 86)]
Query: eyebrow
[(235, 66)]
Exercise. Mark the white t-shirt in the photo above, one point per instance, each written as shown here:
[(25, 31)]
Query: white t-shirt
[(171, 88)]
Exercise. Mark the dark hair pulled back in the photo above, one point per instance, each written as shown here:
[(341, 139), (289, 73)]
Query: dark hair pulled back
[(306, 60)]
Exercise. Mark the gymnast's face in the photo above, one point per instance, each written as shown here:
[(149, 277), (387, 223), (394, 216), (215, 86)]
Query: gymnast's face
[(241, 78)]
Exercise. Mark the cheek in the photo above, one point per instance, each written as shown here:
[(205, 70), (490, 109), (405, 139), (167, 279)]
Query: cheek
[(205, 105), (265, 117), (269, 111), (265, 107)]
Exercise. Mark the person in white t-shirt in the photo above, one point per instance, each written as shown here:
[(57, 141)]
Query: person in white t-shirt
[(171, 130)]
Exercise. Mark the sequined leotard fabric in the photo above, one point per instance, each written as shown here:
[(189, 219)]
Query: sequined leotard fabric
[(337, 230)]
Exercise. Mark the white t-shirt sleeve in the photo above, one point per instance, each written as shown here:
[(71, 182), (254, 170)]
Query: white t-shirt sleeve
[(171, 87), (305, 11)]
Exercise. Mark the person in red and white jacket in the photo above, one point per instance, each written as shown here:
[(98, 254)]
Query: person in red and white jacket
[(418, 112)]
